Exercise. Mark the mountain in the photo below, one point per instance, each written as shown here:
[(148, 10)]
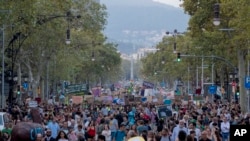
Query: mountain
[(133, 24)]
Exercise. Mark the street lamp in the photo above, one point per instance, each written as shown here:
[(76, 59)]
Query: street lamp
[(216, 20), (163, 60), (175, 33), (68, 37), (93, 56)]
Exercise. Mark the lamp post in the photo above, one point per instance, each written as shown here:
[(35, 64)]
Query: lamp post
[(3, 69), (12, 53), (3, 58), (216, 20), (175, 33)]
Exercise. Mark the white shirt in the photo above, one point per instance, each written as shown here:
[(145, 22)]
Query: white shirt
[(225, 127), (107, 134)]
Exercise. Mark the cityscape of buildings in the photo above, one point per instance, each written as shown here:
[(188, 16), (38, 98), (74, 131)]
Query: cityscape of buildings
[(141, 53)]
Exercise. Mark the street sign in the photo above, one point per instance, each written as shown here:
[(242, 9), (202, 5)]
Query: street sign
[(247, 82), (25, 85), (212, 89)]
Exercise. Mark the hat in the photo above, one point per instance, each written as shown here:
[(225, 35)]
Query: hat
[(138, 138)]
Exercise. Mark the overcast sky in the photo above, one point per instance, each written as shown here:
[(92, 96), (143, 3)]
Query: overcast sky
[(175, 3)]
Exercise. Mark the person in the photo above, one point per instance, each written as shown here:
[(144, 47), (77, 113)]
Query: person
[(113, 125), (120, 134), (204, 136), (72, 135), (216, 136), (62, 136), (225, 127), (140, 128), (48, 136), (190, 138), (192, 127), (80, 131), (192, 134), (91, 132), (107, 133), (177, 129), (39, 137), (209, 134), (54, 127), (131, 116), (182, 136), (165, 135), (7, 130), (150, 136), (101, 138), (100, 127)]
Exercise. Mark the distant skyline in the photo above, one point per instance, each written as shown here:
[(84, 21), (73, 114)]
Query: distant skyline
[(175, 3)]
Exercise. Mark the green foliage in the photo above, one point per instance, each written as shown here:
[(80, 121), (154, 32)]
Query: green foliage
[(44, 25)]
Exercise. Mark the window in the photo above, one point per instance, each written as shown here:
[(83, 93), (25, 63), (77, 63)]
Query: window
[(1, 120)]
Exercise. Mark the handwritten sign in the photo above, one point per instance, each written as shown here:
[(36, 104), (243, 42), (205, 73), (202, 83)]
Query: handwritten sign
[(33, 104), (147, 84), (77, 99)]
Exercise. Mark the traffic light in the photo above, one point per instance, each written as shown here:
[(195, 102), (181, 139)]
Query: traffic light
[(238, 91), (178, 57), (174, 47), (216, 20), (18, 89)]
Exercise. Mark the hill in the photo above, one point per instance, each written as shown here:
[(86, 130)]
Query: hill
[(140, 23)]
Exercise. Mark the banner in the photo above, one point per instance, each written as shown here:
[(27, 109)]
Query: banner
[(148, 92), (89, 98), (148, 85), (77, 99), (163, 112), (96, 91)]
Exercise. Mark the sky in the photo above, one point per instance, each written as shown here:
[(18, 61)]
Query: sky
[(175, 3)]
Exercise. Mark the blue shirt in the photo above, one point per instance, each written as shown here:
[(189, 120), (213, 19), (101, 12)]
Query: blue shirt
[(120, 135), (54, 127)]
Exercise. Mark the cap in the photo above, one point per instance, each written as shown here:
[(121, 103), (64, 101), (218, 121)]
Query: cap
[(138, 138)]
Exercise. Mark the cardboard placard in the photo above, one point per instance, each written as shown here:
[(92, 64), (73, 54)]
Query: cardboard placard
[(149, 98), (89, 98), (77, 99), (33, 104)]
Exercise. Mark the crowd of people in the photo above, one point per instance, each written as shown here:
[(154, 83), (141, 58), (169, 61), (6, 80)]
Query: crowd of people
[(209, 121)]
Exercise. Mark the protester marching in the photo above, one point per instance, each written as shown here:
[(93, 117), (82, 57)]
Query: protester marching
[(94, 120)]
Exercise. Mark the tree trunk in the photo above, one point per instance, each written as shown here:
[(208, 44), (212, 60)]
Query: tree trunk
[(242, 74)]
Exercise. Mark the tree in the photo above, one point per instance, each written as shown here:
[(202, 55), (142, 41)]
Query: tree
[(230, 45), (44, 25)]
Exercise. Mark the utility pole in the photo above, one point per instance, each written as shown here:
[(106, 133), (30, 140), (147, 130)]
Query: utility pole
[(197, 77), (3, 69), (188, 79), (248, 96), (202, 76), (132, 68)]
